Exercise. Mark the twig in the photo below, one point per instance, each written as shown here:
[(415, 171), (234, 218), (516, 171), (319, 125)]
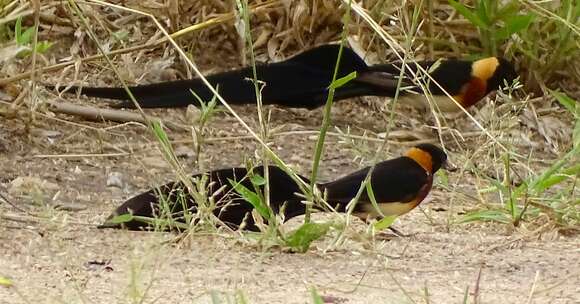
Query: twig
[(533, 289), (196, 27), (80, 155), (32, 219), (4, 198), (555, 285), (476, 291), (20, 219), (25, 13), (99, 114)]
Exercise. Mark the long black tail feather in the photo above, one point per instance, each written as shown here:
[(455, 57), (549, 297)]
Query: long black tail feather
[(301, 81), (283, 196)]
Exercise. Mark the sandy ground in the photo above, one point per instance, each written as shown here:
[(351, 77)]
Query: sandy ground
[(57, 256)]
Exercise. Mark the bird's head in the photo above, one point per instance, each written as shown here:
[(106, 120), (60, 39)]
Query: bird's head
[(487, 74), (493, 71), (429, 156)]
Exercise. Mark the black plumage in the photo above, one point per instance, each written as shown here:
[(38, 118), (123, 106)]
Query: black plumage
[(398, 184), (302, 81), (231, 208)]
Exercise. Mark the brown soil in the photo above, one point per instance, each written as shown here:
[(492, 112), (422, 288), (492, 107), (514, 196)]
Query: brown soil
[(53, 253)]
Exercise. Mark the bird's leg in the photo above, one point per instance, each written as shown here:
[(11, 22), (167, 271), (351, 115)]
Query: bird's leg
[(397, 232), (394, 233)]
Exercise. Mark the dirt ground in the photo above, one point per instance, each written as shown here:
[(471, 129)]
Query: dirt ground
[(67, 178)]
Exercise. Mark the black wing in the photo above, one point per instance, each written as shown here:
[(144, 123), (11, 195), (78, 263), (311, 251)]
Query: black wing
[(396, 180), (231, 208), (451, 74)]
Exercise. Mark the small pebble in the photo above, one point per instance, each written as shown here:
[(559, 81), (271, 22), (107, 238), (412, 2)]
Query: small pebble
[(115, 179)]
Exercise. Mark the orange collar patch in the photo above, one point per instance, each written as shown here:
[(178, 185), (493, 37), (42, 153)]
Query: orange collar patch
[(422, 158), (472, 92)]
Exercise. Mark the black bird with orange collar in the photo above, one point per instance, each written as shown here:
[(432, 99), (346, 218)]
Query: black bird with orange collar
[(399, 185), (303, 80)]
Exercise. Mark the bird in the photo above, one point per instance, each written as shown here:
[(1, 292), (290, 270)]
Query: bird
[(303, 81), (466, 81), (399, 185)]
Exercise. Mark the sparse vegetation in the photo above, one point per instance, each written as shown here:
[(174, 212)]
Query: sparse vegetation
[(520, 172), (496, 21)]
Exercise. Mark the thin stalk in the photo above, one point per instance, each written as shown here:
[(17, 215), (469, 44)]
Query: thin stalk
[(34, 75), (508, 185), (304, 187), (431, 29), (327, 116), (154, 127), (245, 12), (352, 204), (220, 19), (91, 34), (393, 44)]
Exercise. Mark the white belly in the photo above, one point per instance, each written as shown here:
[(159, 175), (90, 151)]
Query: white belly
[(444, 103), (388, 209)]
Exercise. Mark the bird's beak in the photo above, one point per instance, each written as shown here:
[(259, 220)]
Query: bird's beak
[(448, 166)]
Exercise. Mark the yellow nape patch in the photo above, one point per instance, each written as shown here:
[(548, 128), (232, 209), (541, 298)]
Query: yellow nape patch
[(423, 158), (484, 68)]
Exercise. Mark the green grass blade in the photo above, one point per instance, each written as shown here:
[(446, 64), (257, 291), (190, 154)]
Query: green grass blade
[(557, 178), (159, 222), (6, 282), (371, 195), (567, 102), (252, 198), (241, 297), (576, 132), (572, 106), (501, 187), (342, 81), (215, 297), (301, 238), (43, 46), (316, 298), (119, 219), (469, 15), (326, 118), (155, 222), (507, 11), (385, 222), (18, 31), (484, 12), (257, 180), (487, 215), (466, 296), (536, 184), (165, 143), (442, 178), (26, 37), (514, 25)]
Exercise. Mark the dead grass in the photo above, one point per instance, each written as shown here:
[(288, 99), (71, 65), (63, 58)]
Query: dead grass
[(81, 157)]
